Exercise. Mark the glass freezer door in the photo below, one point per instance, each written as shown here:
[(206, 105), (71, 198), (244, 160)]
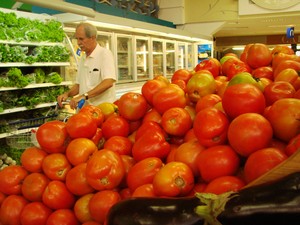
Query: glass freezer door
[(142, 59), (157, 52), (124, 59), (181, 56), (170, 59)]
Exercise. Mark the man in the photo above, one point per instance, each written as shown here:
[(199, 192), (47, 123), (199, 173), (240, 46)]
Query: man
[(96, 76)]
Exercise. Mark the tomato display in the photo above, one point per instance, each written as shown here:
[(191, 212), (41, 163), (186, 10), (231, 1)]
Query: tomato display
[(259, 55)]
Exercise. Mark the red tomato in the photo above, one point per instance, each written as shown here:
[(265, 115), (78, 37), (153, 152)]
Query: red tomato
[(145, 190), (76, 180), (181, 84), (168, 97), (176, 121), (249, 132), (290, 75), (56, 166), (152, 115), (145, 170), (52, 136), (173, 179), (62, 217), (234, 66), (209, 100), (81, 208), (292, 64), (293, 145), (11, 178), (132, 106), (79, 150), (101, 202), (128, 162), (32, 158), (259, 55), (243, 98), (188, 153), (210, 127), (150, 87), (34, 185), (121, 145), (35, 213), (261, 161), (212, 65), (95, 112), (149, 127), (81, 125), (105, 170), (2, 197), (244, 54), (217, 161), (11, 209), (57, 196), (278, 90), (115, 126), (282, 49), (284, 117), (263, 72), (190, 135), (224, 184), (181, 74), (98, 138)]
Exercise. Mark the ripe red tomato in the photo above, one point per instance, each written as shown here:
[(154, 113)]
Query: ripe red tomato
[(56, 166), (145, 190), (181, 74), (152, 115), (76, 180), (34, 185), (292, 146), (79, 150), (11, 178), (282, 49), (62, 217), (261, 161), (32, 158), (128, 162), (278, 90), (290, 75), (173, 179), (145, 170), (57, 196), (224, 184), (259, 55), (101, 202), (234, 66), (11, 209), (149, 127), (244, 54), (81, 125), (105, 170), (209, 100), (263, 72), (81, 208), (52, 136), (121, 145), (211, 64), (132, 106), (243, 98), (176, 121), (35, 213), (95, 112), (292, 64), (168, 97), (98, 138), (150, 87), (115, 126), (284, 117), (210, 127), (217, 161)]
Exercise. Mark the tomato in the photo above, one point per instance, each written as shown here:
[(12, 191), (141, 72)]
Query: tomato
[(292, 64), (151, 144), (35, 213), (173, 179), (189, 135), (57, 196), (171, 155), (259, 55), (181, 74), (243, 98), (282, 49), (98, 138), (227, 56), (290, 75), (81, 208), (276, 143), (187, 153), (132, 106), (11, 209), (244, 54), (11, 178), (115, 126), (56, 166), (244, 77), (284, 117), (101, 202), (152, 115), (168, 97), (201, 83), (181, 84), (79, 150), (224, 184), (145, 190), (176, 121), (121, 145), (209, 100), (2, 197), (81, 125), (52, 136), (211, 64), (76, 180), (162, 78), (108, 109), (91, 223), (145, 170), (278, 90), (263, 72), (217, 161), (210, 127), (150, 87), (262, 161), (128, 162), (293, 145), (62, 217), (105, 170), (125, 193), (234, 66), (149, 127), (280, 57), (249, 132), (95, 112), (32, 158), (34, 185)]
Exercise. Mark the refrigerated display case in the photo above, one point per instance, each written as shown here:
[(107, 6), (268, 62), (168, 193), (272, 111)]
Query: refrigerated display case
[(157, 57), (142, 58), (181, 56), (170, 59)]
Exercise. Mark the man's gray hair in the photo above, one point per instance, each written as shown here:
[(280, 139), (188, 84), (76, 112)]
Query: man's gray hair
[(89, 29)]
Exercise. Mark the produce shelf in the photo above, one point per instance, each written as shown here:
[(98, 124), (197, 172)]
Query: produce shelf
[(64, 83), (20, 109)]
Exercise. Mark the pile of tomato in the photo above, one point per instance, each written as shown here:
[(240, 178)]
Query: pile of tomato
[(213, 129)]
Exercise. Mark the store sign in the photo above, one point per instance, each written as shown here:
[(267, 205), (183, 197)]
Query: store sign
[(290, 32), (204, 51)]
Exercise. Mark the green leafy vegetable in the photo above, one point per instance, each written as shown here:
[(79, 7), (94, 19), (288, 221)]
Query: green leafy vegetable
[(16, 77), (54, 78)]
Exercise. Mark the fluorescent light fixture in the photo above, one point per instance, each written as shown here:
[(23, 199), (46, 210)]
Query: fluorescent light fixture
[(238, 48), (62, 6)]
